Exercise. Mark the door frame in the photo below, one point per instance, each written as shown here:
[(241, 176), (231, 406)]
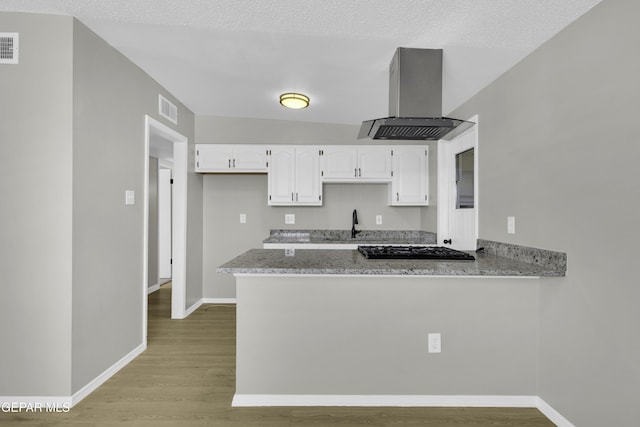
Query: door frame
[(444, 152), (178, 219)]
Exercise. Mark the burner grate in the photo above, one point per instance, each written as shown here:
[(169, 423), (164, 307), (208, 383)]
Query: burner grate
[(413, 252)]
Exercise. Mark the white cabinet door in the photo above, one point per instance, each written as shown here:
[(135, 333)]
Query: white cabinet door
[(213, 158), (352, 163), (294, 176), (250, 158), (308, 185), (281, 176), (374, 162), (410, 184), (339, 162), (231, 158)]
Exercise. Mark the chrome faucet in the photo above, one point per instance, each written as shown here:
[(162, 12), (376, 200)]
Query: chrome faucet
[(354, 221)]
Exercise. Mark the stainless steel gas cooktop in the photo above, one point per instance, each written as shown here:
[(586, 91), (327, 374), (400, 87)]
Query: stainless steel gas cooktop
[(413, 252)]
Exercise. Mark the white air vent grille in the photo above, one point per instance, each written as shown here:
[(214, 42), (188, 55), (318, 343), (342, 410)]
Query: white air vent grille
[(8, 48), (168, 110)]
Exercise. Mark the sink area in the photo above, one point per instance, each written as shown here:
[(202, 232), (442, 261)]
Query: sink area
[(340, 238)]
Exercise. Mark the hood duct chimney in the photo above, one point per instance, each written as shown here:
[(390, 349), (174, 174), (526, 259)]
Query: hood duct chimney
[(415, 100)]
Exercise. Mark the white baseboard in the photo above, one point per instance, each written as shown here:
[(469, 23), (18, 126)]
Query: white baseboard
[(151, 289), (552, 414), (384, 400), (219, 300), (193, 308), (100, 379), (64, 403)]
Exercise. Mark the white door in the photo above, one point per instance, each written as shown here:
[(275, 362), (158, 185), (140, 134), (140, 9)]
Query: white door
[(164, 224), (458, 190)]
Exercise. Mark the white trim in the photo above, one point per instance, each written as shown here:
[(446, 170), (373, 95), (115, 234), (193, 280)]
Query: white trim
[(384, 400), (153, 288), (179, 227), (193, 308), (218, 300), (382, 276), (552, 414), (179, 231), (145, 229), (100, 379)]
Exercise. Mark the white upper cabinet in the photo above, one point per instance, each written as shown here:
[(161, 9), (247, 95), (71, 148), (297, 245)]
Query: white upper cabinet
[(231, 158), (410, 184), (339, 162), (354, 163), (295, 173), (374, 162), (294, 176)]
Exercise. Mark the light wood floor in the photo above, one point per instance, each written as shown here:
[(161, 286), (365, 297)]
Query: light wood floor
[(186, 377)]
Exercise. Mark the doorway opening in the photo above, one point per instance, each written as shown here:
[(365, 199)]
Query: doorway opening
[(166, 142), (458, 190)]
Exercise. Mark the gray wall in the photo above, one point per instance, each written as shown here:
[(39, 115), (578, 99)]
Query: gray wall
[(559, 150), (226, 196), (36, 208), (72, 141), (111, 98), (368, 336)]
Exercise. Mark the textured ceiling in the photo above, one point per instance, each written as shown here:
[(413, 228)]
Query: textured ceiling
[(234, 57)]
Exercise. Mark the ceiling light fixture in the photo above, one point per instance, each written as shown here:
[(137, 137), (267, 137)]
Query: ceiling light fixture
[(294, 100)]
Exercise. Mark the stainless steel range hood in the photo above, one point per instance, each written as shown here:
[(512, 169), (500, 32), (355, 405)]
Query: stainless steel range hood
[(415, 100)]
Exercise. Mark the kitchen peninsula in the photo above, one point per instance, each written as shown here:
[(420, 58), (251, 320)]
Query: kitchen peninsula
[(329, 327)]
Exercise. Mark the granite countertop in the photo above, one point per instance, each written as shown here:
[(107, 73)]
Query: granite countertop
[(322, 261), (368, 237)]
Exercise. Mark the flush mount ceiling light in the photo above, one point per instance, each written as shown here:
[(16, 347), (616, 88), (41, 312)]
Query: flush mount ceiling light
[(294, 100)]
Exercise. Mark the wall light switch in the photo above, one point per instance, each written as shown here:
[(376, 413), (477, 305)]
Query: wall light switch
[(243, 218), (289, 218), (129, 197), (378, 219), (435, 345), (511, 224)]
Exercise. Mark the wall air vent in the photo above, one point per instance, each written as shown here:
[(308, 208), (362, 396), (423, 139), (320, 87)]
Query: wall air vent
[(8, 48), (168, 110)]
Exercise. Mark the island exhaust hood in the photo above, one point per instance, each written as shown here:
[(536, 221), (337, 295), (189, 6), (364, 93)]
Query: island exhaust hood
[(415, 100)]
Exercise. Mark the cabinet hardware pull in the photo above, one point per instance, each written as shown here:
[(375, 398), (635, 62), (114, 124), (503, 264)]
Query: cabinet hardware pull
[(355, 172), (359, 172), (229, 163), (292, 197), (397, 197), (447, 241), (296, 197), (234, 163)]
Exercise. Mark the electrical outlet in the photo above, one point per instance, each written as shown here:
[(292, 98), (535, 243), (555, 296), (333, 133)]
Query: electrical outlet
[(290, 252), (435, 344), (511, 224), (289, 218), (243, 218), (378, 219)]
